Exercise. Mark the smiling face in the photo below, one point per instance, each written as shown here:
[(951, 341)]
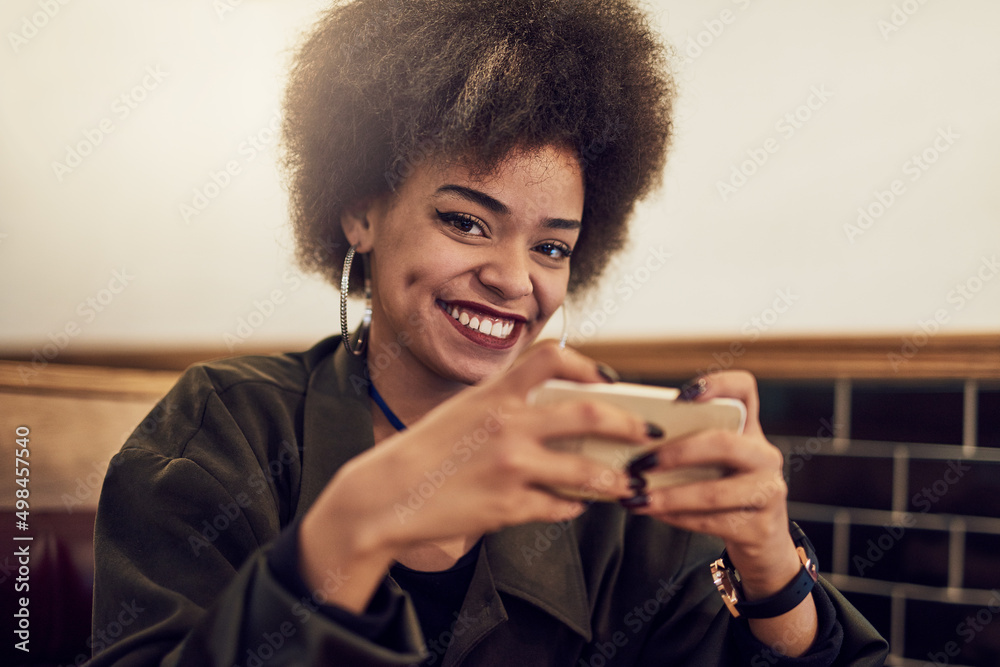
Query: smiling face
[(467, 270)]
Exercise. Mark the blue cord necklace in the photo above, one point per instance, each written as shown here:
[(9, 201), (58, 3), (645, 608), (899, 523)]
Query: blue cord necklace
[(380, 402)]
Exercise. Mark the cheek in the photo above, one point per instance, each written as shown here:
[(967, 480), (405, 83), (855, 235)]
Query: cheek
[(551, 294), (433, 273)]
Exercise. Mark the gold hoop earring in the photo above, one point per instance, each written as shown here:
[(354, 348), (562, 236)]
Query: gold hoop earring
[(366, 319)]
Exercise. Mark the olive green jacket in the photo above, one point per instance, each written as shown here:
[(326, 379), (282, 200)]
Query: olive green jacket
[(240, 448)]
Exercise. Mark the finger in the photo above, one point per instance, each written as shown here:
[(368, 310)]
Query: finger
[(735, 384), (744, 526), (721, 524), (587, 417), (715, 447), (542, 505), (547, 360), (736, 493), (579, 475)]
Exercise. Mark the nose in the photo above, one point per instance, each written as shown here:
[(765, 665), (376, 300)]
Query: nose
[(507, 273)]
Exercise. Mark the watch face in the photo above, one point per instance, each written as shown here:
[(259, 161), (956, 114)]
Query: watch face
[(724, 582)]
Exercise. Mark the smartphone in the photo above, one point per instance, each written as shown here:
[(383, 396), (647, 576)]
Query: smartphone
[(658, 405)]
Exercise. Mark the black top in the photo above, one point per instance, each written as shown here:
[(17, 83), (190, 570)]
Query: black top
[(438, 597)]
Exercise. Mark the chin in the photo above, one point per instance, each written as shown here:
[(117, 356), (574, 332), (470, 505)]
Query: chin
[(475, 371), (475, 366)]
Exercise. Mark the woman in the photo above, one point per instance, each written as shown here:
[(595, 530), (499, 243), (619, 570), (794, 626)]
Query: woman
[(382, 499)]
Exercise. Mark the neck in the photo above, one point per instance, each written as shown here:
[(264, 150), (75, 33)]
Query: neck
[(438, 555), (409, 388)]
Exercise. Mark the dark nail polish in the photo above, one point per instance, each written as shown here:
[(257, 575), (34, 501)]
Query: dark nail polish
[(635, 502), (608, 373), (653, 431), (693, 389), (644, 462), (637, 482)]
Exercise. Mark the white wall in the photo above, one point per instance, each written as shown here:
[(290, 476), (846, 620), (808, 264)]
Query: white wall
[(886, 96)]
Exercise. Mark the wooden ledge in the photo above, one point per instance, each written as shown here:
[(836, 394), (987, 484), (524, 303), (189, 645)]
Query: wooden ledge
[(881, 357), (973, 356), (21, 377)]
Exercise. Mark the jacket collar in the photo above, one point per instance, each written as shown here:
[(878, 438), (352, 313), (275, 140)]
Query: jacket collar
[(538, 563)]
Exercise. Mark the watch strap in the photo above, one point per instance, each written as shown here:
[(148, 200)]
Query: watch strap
[(727, 580)]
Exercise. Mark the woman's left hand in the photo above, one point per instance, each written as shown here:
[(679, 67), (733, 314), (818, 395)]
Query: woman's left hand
[(747, 507)]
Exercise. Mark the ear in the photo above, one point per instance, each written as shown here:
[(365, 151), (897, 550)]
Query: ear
[(357, 220)]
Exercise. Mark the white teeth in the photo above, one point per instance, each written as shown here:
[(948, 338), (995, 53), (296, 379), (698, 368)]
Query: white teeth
[(488, 327)]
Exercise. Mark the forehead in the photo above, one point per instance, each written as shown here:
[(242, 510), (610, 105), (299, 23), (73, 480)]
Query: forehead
[(549, 175)]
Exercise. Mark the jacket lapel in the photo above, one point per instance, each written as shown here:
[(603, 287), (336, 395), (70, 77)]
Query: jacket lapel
[(337, 424), (540, 563)]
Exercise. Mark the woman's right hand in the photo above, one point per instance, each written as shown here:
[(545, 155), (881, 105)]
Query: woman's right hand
[(480, 460)]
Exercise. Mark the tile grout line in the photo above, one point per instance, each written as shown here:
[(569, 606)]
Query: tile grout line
[(841, 541), (923, 592), (970, 417), (900, 481), (864, 516), (842, 414), (897, 631), (956, 556)]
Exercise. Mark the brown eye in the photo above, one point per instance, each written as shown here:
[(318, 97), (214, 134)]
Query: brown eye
[(554, 250), (464, 223)]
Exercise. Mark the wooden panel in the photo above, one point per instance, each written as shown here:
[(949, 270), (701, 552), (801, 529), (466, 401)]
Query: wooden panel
[(886, 357), (79, 417), (162, 358), (71, 441), (909, 356), (86, 381)]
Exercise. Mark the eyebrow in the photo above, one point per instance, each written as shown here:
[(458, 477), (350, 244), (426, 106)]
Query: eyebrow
[(497, 206)]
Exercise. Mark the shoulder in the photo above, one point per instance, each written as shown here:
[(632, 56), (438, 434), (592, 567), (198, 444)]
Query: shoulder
[(288, 371), (246, 397), (258, 374)]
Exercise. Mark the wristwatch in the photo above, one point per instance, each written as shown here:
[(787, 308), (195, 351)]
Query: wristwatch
[(727, 580)]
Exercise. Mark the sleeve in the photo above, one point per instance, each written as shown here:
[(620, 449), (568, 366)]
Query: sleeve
[(823, 653), (182, 576), (697, 629), (376, 624)]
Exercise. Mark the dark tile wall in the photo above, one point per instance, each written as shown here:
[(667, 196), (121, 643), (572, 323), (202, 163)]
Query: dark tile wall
[(930, 413), (955, 486), (953, 633), (981, 569), (804, 410), (989, 418), (854, 481)]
